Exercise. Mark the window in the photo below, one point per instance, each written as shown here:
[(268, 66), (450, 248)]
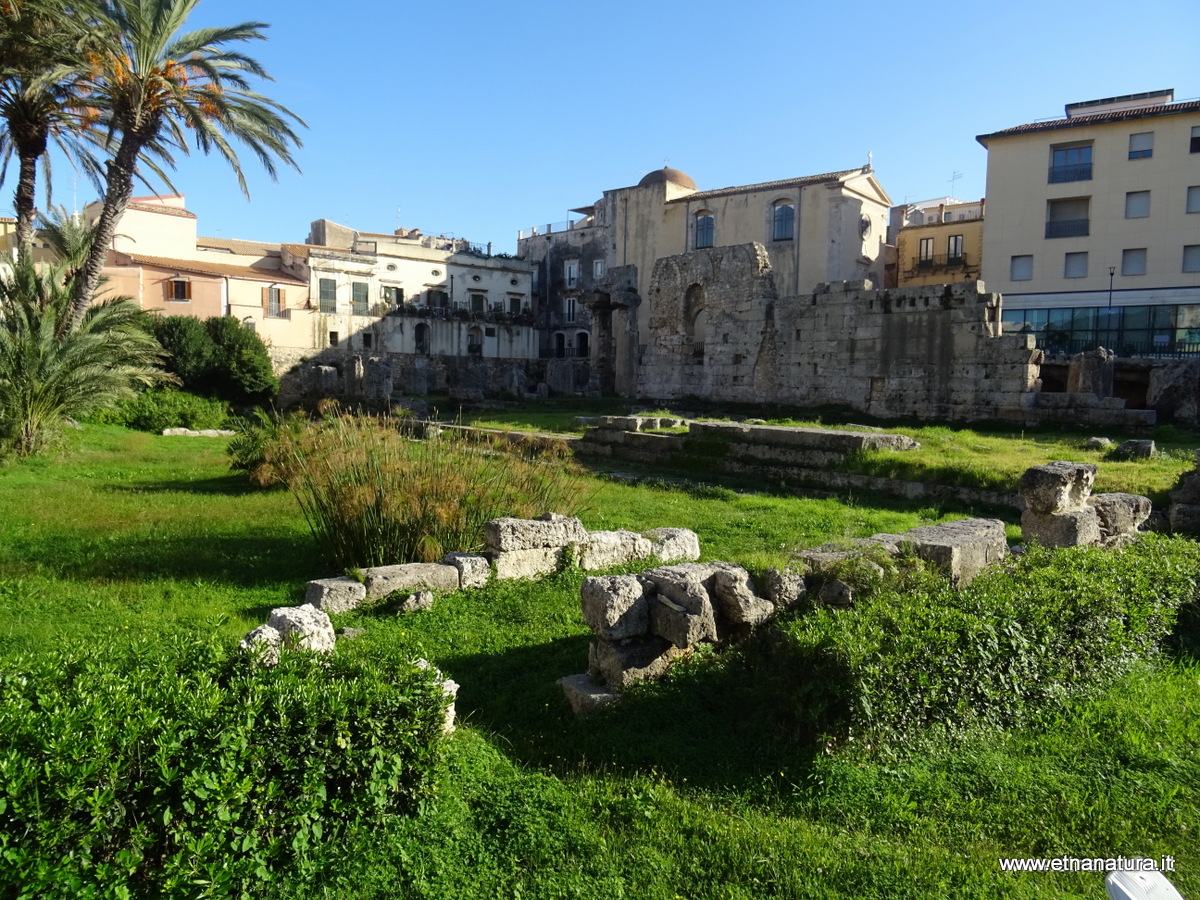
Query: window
[(954, 245), (569, 309), (783, 221), (333, 339), (1141, 146), (1020, 268), (1193, 199), (438, 299), (1137, 204), (514, 303), (925, 253), (1195, 146), (705, 230), (358, 298), (178, 290), (478, 302), (1191, 258), (393, 296), (1067, 217), (327, 292), (274, 302), (1070, 162), (571, 273), (598, 269), (1075, 265), (1133, 262), (367, 340)]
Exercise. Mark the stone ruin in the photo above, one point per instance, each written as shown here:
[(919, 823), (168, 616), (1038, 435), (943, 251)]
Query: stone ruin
[(1061, 510), (1184, 510)]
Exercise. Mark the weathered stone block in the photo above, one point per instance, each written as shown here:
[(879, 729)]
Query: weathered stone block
[(1120, 513), (836, 593), (623, 664), (1133, 450), (783, 589), (303, 628), (735, 596), (673, 544), (612, 548), (584, 696), (264, 642), (1073, 528), (335, 595), (1184, 518), (473, 570), (384, 580), (615, 607), (550, 530), (1187, 490), (1057, 486), (1098, 443), (527, 563), (418, 602), (961, 549)]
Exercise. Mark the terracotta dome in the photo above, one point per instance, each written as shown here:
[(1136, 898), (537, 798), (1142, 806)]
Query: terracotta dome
[(667, 174)]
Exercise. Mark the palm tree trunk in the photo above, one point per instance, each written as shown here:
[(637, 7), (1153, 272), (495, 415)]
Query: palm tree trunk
[(121, 170), (25, 209)]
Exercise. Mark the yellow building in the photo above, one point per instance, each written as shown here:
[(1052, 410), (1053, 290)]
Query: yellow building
[(1093, 225), (943, 245)]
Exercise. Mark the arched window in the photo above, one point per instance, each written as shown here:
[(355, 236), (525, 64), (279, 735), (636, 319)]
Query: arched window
[(581, 344), (705, 229), (422, 335), (560, 345), (783, 221)]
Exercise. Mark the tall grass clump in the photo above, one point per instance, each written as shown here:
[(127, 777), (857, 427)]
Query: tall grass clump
[(373, 495)]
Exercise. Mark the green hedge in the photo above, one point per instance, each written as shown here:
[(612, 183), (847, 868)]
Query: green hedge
[(1011, 646), (187, 771), (160, 408)]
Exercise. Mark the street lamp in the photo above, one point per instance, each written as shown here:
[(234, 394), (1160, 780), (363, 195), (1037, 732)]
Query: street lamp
[(1112, 270)]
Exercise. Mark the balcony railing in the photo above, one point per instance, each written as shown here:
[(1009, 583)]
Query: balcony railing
[(939, 263), (1064, 228), (1077, 172)]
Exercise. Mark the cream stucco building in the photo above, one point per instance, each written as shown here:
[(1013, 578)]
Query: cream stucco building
[(939, 243), (1093, 225), (593, 276)]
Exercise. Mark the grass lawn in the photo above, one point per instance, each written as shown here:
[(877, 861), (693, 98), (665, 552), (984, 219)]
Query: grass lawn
[(690, 789)]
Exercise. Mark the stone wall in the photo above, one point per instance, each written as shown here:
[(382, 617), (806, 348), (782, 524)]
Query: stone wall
[(718, 330)]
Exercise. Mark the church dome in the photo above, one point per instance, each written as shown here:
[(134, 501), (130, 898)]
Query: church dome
[(667, 174)]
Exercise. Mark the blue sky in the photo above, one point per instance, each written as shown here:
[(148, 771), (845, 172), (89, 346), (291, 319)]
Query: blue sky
[(479, 118)]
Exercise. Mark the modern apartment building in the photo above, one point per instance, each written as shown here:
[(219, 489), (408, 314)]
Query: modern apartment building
[(1093, 225)]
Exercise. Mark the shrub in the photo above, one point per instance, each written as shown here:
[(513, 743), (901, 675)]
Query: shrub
[(1016, 642), (155, 410), (190, 347), (219, 357), (186, 770), (373, 496), (248, 448)]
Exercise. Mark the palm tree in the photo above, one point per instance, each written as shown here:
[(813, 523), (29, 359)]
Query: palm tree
[(48, 375), (37, 108), (162, 89)]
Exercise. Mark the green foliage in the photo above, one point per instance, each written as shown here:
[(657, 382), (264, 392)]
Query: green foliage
[(1016, 642), (248, 448), (156, 409), (48, 372), (220, 358), (373, 496), (190, 347), (165, 770)]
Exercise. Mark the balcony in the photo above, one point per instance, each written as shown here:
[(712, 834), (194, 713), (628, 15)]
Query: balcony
[(942, 263), (1065, 228), (1077, 172)]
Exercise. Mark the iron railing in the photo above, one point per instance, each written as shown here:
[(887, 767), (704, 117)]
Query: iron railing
[(1068, 228), (1077, 172)]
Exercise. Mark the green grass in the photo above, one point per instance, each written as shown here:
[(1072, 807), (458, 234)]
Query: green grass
[(691, 788)]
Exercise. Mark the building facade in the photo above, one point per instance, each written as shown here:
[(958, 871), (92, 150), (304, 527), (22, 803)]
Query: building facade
[(940, 244), (1093, 225)]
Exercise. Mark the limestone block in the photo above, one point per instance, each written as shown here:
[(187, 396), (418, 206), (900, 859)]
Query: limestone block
[(1187, 490), (335, 595), (961, 549), (683, 612), (527, 563), (735, 596), (673, 544), (1056, 486), (612, 548), (473, 570), (1184, 518), (615, 607), (1133, 450), (1120, 513), (1098, 443), (264, 643), (384, 580), (622, 664), (418, 602), (303, 628), (584, 696), (1072, 528), (550, 530), (783, 589), (836, 593)]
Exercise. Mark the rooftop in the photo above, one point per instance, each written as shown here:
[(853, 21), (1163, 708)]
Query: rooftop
[(1100, 118)]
